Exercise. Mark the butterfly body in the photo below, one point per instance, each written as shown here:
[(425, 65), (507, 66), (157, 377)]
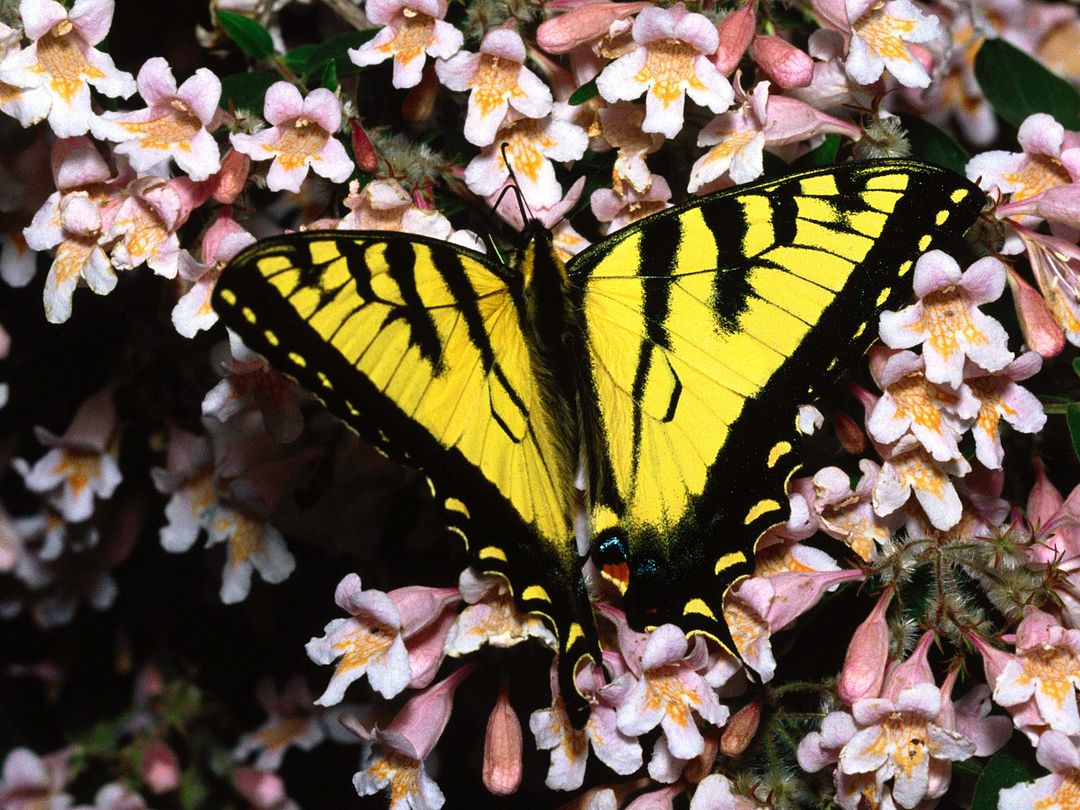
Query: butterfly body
[(666, 363)]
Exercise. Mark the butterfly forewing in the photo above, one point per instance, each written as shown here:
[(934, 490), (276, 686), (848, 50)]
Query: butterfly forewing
[(418, 345), (706, 326)]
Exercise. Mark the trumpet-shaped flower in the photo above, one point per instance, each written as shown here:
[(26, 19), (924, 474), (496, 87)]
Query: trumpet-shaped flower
[(530, 147), (174, 125), (496, 79), (62, 64), (672, 61), (300, 137), (1001, 398), (1060, 788), (411, 29), (946, 319)]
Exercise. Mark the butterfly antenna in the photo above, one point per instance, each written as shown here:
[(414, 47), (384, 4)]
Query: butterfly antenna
[(523, 207)]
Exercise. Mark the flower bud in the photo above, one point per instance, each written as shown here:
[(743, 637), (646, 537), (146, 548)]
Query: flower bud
[(740, 729), (363, 151), (864, 664), (851, 436), (736, 31), (231, 177), (782, 62), (502, 748)]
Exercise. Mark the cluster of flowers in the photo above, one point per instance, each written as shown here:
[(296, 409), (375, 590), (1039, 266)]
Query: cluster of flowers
[(593, 78)]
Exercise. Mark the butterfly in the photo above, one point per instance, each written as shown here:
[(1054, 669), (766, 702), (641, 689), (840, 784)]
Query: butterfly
[(637, 403)]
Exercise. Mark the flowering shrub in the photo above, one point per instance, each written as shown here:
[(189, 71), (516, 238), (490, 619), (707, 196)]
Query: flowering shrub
[(911, 634)]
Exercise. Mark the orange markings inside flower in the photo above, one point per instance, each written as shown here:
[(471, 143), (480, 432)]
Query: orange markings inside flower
[(299, 143), (495, 79), (359, 648), (882, 32), (667, 65), (412, 38), (165, 131), (59, 56), (1037, 174)]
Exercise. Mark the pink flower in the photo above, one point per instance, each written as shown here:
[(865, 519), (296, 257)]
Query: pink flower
[(1001, 398), (1045, 173), (738, 138), (30, 782), (1045, 669), (397, 758), (174, 125), (62, 63), (300, 137), (908, 470), (80, 466), (291, 720), (384, 205), (496, 79), (902, 740), (582, 24), (396, 639), (531, 145), (672, 60), (25, 106), (252, 544), (946, 319), (845, 513), (620, 126), (570, 746), (716, 792), (411, 29), (491, 618), (879, 33), (221, 242), (934, 414), (667, 690), (766, 603), (620, 206), (1059, 755), (116, 796), (144, 227), (188, 480)]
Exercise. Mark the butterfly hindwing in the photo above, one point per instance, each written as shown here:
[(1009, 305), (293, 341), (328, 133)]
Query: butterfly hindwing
[(418, 345), (706, 326)]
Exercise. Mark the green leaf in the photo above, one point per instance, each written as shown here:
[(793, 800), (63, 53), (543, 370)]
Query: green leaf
[(584, 93), (336, 49), (823, 155), (330, 76), (246, 91), (1076, 366), (931, 144), (1005, 769), (1017, 86), (1072, 418), (296, 59), (249, 34)]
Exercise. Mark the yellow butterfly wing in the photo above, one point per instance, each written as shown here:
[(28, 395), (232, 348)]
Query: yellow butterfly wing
[(706, 326), (418, 345)]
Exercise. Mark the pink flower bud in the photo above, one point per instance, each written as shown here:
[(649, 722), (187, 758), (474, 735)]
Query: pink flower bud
[(740, 729), (502, 748), (363, 150), (590, 21), (736, 31), (782, 62), (160, 768), (1041, 332), (864, 664), (231, 177)]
